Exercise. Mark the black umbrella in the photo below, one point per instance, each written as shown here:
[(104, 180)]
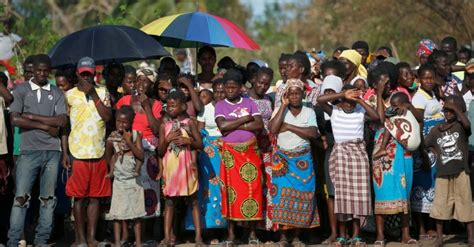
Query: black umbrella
[(106, 43)]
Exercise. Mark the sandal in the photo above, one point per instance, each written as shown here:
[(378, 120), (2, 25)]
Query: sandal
[(379, 243), (228, 243), (254, 241), (412, 242), (328, 241), (298, 243), (283, 243), (340, 242), (358, 242)]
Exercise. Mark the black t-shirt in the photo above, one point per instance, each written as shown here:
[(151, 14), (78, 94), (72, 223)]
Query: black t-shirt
[(451, 149)]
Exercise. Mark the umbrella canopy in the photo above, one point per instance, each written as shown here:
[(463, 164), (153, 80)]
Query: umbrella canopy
[(106, 43), (191, 30)]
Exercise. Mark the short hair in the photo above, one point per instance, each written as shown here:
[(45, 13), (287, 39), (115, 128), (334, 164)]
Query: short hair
[(29, 59), (3, 79), (187, 75), (226, 63), (233, 75), (437, 54), (217, 82), (177, 95), (402, 65), (458, 101), (69, 73), (164, 77), (336, 65), (360, 44), (348, 87), (426, 67), (450, 40), (113, 65), (205, 90), (303, 61), (129, 69), (284, 57), (127, 111), (384, 68), (42, 59), (265, 71), (205, 49), (341, 49), (466, 51), (389, 51), (403, 97)]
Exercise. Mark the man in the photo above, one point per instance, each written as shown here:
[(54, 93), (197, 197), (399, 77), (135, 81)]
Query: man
[(39, 110), (89, 111), (450, 46), (363, 49)]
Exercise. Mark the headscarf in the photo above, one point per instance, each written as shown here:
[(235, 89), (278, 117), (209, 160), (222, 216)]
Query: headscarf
[(148, 73), (332, 82), (294, 83), (425, 47), (356, 59)]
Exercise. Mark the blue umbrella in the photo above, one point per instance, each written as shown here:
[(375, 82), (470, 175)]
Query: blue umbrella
[(106, 43)]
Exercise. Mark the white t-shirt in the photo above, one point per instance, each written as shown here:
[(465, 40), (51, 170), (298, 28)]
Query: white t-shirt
[(289, 140), (347, 126), (7, 43), (207, 117), (431, 105)]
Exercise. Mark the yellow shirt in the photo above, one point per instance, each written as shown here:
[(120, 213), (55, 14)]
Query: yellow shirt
[(87, 137)]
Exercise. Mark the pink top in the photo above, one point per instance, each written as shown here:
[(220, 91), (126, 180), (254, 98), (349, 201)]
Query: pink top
[(140, 123)]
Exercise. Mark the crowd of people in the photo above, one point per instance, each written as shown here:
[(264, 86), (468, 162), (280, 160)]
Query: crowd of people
[(340, 147)]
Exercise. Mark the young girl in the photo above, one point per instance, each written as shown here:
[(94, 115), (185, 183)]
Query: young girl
[(178, 136), (124, 152), (349, 164)]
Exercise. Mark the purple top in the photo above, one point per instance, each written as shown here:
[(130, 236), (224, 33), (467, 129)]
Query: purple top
[(231, 111)]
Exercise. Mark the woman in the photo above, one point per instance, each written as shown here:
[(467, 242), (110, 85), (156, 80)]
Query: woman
[(425, 48), (392, 171), (129, 80), (207, 59), (209, 162), (406, 80), (293, 181), (424, 172), (238, 120), (147, 121), (355, 70), (264, 103)]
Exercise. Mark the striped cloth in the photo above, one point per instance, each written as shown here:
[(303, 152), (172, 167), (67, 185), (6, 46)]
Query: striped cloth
[(350, 172)]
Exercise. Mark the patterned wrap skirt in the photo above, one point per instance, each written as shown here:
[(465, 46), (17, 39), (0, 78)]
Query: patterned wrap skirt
[(293, 189), (241, 175), (350, 172)]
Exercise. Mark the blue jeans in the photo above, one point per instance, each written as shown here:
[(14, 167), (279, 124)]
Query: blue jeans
[(28, 166)]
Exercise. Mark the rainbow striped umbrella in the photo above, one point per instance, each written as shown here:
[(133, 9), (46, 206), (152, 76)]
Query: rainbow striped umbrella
[(195, 29)]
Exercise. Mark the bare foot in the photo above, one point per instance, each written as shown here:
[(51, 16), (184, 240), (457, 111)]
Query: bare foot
[(93, 243), (438, 242)]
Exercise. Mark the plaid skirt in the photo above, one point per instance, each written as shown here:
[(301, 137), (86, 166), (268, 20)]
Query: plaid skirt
[(350, 172)]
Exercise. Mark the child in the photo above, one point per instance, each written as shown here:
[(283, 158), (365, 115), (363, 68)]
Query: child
[(449, 141), (124, 154), (349, 164), (206, 97), (193, 104), (179, 135)]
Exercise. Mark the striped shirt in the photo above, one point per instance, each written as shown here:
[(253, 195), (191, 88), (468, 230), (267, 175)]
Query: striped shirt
[(347, 126)]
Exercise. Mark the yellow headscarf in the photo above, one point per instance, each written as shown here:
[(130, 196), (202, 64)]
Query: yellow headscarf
[(355, 58)]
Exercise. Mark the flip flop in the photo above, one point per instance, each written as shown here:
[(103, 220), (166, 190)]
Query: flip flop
[(379, 243)]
